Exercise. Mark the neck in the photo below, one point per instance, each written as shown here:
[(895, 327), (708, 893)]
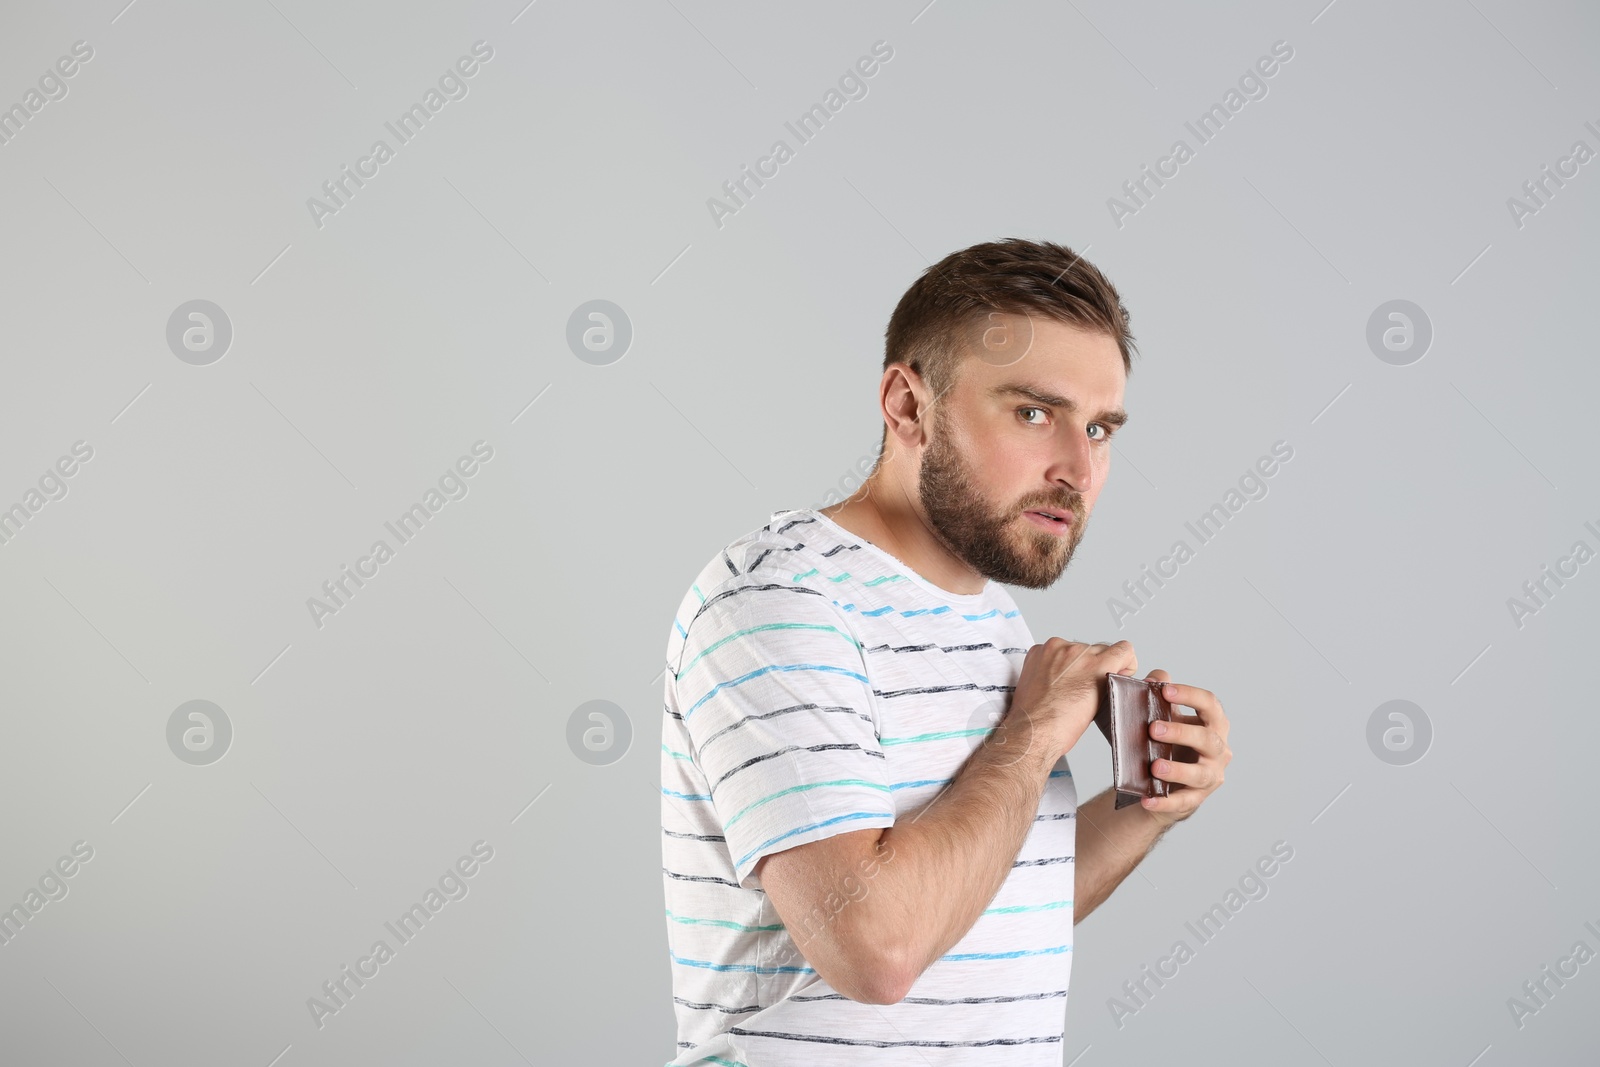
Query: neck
[(885, 514)]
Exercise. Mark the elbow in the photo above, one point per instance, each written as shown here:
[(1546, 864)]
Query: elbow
[(887, 992), (884, 979), (877, 989)]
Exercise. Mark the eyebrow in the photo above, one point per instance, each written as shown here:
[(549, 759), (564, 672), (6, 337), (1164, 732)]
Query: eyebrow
[(1116, 417)]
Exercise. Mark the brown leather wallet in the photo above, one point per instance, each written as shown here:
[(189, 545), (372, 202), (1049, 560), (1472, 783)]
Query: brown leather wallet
[(1128, 706)]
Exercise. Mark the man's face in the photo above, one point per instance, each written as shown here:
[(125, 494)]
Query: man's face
[(1027, 425)]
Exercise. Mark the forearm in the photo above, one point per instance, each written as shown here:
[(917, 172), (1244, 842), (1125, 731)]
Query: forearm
[(1110, 844), (947, 862)]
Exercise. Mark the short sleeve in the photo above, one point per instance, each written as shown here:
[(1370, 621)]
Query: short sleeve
[(774, 692)]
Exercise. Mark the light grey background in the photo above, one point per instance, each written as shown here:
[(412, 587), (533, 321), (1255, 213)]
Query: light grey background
[(431, 712)]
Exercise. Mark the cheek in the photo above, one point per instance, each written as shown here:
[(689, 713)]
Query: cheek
[(1013, 456)]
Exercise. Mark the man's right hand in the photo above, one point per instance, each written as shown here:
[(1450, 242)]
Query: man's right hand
[(1058, 691)]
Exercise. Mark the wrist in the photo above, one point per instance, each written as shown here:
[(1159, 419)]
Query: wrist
[(1022, 738)]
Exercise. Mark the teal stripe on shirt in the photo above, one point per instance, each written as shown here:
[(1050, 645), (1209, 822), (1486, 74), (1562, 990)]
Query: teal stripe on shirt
[(1011, 909), (758, 672), (1052, 951), (799, 789), (815, 826), (767, 626), (746, 968)]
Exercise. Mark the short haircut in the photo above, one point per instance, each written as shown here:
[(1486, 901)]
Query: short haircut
[(928, 328)]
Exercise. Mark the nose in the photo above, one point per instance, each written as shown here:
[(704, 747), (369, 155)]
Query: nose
[(1073, 465)]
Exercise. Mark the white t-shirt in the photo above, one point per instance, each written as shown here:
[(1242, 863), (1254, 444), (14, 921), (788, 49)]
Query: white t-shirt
[(816, 685)]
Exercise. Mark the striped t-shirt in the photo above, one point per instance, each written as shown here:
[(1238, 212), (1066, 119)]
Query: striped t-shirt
[(815, 685)]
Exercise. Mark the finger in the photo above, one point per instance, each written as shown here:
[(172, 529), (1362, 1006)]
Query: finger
[(1203, 739), (1159, 675), (1068, 666), (1203, 701), (1191, 696), (1178, 803), (1197, 775)]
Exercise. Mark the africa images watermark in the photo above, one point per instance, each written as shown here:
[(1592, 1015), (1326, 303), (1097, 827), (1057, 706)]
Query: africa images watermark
[(1252, 86), (992, 339), (52, 486), (1577, 556), (1538, 991), (452, 886), (52, 86), (452, 86), (1542, 189), (452, 486), (1210, 523), (851, 890), (850, 483), (52, 886), (787, 952), (1252, 886), (852, 86)]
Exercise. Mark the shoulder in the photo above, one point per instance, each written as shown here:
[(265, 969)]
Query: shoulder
[(791, 549), (790, 544), (777, 572)]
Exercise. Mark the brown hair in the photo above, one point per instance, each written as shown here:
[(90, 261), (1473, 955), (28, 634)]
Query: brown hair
[(929, 324)]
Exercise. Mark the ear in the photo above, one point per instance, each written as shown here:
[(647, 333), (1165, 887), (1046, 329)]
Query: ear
[(904, 399)]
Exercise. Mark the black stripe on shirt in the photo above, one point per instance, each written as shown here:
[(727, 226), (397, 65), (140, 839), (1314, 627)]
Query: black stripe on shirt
[(951, 1000), (828, 708), (693, 837), (769, 551), (699, 878), (930, 646), (924, 690), (825, 1040), (831, 746), (716, 1007), (791, 524), (935, 1002)]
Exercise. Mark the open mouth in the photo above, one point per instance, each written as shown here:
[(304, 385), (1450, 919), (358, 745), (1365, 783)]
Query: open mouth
[(1050, 521)]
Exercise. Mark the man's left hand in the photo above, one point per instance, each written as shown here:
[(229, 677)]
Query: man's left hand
[(1209, 738)]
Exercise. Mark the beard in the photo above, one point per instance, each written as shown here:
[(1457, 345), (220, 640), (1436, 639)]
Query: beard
[(998, 543)]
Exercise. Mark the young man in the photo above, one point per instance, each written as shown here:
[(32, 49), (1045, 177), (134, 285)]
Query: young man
[(869, 849)]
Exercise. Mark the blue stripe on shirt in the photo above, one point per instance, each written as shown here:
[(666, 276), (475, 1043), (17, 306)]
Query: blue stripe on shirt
[(814, 826)]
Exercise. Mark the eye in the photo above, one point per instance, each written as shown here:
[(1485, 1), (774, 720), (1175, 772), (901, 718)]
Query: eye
[(1040, 410), (1106, 431)]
